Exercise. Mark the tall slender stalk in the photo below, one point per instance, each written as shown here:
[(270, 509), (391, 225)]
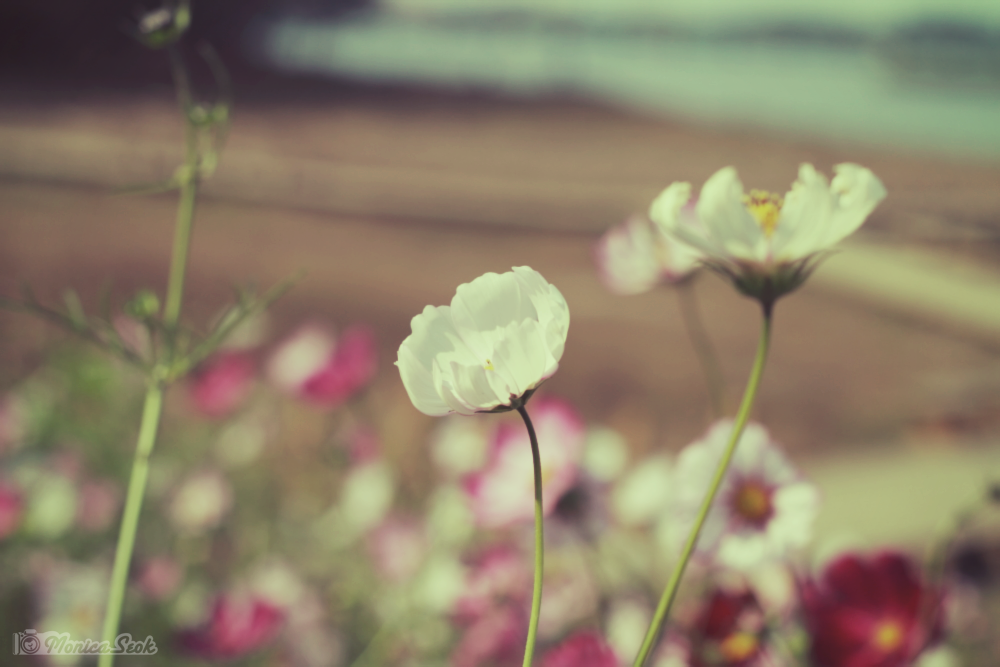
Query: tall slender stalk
[(153, 406), (742, 415), (703, 347), (536, 594)]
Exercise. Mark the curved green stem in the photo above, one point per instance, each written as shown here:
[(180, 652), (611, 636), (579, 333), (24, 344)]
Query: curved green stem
[(151, 411), (670, 592), (536, 594), (703, 347)]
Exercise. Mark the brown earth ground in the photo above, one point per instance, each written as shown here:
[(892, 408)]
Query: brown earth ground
[(884, 377)]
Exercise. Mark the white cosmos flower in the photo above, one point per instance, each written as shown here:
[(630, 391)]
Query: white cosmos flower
[(502, 335), (764, 508), (768, 245), (635, 256)]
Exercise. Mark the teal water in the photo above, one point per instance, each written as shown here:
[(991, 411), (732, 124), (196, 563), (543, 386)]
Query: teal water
[(833, 92)]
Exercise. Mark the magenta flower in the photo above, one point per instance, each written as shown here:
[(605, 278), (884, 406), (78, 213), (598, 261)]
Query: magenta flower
[(871, 612), (237, 627), (11, 509), (729, 632), (323, 370), (583, 649), (221, 384), (501, 494), (495, 639), (496, 577)]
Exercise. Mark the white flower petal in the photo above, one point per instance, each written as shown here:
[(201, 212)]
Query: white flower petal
[(722, 211), (500, 337), (857, 191), (626, 257)]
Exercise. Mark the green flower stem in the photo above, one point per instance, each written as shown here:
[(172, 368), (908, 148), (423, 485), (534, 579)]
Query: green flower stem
[(185, 209), (536, 594), (153, 406), (703, 347), (151, 411), (670, 592)]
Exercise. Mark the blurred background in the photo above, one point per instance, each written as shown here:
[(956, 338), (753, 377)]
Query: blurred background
[(397, 149)]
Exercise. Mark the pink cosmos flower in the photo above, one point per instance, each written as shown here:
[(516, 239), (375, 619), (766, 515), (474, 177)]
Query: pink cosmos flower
[(397, 548), (326, 371), (11, 509), (496, 577), (583, 649), (159, 577), (763, 509), (97, 505), (495, 639), (237, 627), (637, 255), (871, 612), (221, 384), (503, 493)]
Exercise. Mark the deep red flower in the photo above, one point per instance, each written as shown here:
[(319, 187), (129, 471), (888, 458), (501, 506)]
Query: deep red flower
[(222, 383), (871, 612), (729, 631), (583, 649), (237, 627)]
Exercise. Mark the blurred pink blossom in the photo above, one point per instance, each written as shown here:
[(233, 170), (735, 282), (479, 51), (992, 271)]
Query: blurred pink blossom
[(636, 255), (582, 649), (317, 367), (495, 577), (238, 626), (503, 493), (221, 384), (397, 547), (495, 639), (11, 509), (97, 505), (159, 577)]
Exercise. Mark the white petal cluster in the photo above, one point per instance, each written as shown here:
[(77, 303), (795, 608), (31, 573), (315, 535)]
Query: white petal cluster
[(735, 542), (759, 237), (500, 337)]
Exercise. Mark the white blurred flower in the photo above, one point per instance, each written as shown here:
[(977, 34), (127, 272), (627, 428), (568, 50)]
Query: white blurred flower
[(502, 335), (605, 454), (636, 255), (366, 495), (440, 583), (503, 493), (643, 495), (450, 521), (763, 510), (51, 506), (241, 442), (458, 446), (768, 245), (626, 627), (201, 502)]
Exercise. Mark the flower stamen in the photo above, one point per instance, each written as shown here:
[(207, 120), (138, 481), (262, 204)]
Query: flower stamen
[(888, 636), (738, 646), (752, 502), (488, 365), (765, 207)]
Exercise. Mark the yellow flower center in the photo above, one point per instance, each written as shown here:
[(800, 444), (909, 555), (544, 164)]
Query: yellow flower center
[(765, 207), (752, 501), (738, 646), (888, 636), (488, 365)]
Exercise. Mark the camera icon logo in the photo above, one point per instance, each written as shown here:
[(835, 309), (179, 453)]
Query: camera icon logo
[(27, 642)]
